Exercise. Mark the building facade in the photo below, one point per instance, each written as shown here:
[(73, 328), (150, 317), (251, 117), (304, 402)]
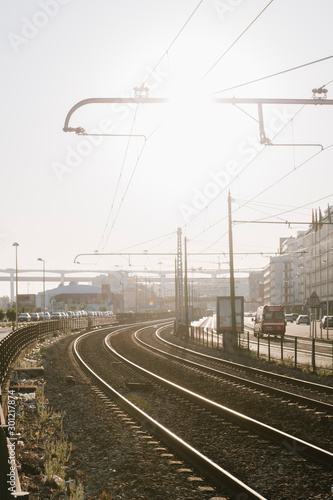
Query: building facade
[(304, 266)]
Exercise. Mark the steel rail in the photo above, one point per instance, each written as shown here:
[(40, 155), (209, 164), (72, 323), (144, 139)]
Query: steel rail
[(300, 446), (263, 373), (217, 474), (325, 407)]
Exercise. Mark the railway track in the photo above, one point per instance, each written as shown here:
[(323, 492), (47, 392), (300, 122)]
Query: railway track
[(286, 395), (215, 438)]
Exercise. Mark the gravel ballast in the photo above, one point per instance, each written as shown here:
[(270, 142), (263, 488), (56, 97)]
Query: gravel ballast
[(110, 456)]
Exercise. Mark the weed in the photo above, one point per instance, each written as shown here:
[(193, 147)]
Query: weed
[(44, 350), (105, 496), (76, 491), (41, 403)]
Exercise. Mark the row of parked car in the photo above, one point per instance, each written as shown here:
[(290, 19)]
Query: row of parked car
[(300, 319), (39, 316), (304, 319)]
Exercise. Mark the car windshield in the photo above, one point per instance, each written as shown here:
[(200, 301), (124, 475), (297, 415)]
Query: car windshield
[(273, 315)]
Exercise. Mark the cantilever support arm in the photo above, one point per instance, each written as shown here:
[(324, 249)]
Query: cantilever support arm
[(122, 254), (217, 100), (106, 100)]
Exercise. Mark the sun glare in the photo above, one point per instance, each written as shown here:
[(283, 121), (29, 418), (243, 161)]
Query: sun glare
[(190, 112)]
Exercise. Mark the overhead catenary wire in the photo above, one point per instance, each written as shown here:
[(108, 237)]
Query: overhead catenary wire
[(119, 178), (171, 44), (149, 241), (312, 203), (131, 134), (238, 175), (259, 194), (237, 39), (124, 195), (250, 163), (158, 126), (276, 74), (287, 174)]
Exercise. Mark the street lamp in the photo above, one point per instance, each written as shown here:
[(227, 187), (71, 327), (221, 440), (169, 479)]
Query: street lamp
[(16, 245), (42, 260)]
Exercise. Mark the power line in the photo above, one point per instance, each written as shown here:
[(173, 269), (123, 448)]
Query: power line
[(119, 179), (275, 74), (171, 44), (240, 173), (259, 194), (127, 147), (286, 175), (149, 241), (124, 195), (295, 208), (237, 39)]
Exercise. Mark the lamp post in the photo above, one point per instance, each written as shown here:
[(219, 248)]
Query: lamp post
[(42, 260), (16, 278)]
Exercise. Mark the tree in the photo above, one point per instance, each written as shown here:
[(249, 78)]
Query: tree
[(102, 308), (2, 314), (11, 315), (4, 301)]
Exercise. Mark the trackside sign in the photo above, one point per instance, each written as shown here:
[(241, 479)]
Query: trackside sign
[(223, 314)]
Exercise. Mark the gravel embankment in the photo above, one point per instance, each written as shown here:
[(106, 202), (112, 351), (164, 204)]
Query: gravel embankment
[(109, 457), (113, 461)]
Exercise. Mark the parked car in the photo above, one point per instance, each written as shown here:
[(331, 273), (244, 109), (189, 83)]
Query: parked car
[(324, 321), (24, 317), (56, 315), (289, 318), (303, 319)]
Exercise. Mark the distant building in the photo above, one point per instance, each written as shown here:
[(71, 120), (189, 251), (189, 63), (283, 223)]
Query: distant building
[(256, 291), (66, 296), (304, 266)]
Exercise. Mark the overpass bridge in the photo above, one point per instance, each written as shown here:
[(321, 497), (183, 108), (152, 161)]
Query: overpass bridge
[(62, 276)]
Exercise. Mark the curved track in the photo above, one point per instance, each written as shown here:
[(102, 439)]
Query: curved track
[(206, 421), (218, 475), (310, 402)]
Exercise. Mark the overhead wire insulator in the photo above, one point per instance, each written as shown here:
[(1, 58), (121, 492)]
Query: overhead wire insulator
[(141, 92), (319, 91)]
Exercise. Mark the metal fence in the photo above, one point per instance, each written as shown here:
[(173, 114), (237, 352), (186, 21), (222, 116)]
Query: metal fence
[(312, 352), (10, 348)]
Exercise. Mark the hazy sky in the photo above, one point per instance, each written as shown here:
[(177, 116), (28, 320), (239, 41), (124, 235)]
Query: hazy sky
[(64, 194)]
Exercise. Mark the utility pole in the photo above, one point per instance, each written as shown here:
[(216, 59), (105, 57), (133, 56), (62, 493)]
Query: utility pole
[(186, 290), (176, 299), (230, 340), (179, 275)]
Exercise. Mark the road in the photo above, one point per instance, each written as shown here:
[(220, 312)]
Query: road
[(296, 344), (298, 330)]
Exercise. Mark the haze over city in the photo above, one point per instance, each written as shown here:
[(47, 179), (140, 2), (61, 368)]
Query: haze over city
[(65, 194)]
